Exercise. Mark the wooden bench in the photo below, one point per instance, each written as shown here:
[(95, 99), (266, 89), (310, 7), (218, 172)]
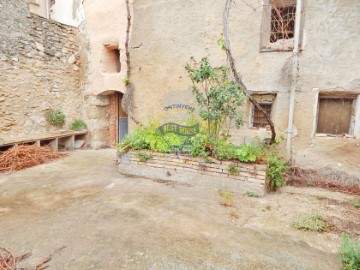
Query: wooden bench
[(65, 138)]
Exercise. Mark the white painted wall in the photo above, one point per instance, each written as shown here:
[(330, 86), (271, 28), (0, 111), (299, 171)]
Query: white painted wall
[(69, 12)]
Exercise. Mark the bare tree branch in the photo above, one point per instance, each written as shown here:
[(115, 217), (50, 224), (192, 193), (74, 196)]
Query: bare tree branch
[(127, 101), (237, 75)]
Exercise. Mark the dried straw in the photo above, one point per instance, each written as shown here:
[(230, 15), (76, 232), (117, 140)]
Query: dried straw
[(25, 156)]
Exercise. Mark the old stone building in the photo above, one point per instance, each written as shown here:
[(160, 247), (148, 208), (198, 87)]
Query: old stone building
[(71, 55), (41, 68)]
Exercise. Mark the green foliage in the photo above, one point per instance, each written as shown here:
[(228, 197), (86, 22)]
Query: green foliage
[(251, 194), (309, 222), (349, 253), (248, 152), (218, 97), (55, 117), (147, 137), (143, 156), (276, 169), (77, 125), (199, 142), (126, 81), (205, 145), (221, 42), (356, 203), (233, 170)]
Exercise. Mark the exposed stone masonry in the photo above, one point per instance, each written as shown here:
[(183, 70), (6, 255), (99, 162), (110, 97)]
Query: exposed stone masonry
[(39, 70)]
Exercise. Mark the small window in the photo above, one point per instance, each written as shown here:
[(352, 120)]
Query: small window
[(278, 25), (111, 60), (335, 115), (282, 22), (258, 118)]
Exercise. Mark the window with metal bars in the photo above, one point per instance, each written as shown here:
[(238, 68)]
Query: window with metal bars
[(282, 22), (258, 118)]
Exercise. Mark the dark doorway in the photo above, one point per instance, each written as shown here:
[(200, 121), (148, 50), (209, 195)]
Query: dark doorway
[(123, 120)]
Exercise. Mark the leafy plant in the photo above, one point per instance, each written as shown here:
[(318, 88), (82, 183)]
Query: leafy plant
[(251, 194), (226, 198), (356, 203), (276, 169), (126, 81), (55, 117), (143, 156), (247, 153), (309, 222), (77, 125), (233, 170), (204, 145), (147, 137), (218, 97), (349, 253)]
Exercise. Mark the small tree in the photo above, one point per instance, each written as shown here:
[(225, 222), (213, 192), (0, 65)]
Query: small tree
[(218, 97)]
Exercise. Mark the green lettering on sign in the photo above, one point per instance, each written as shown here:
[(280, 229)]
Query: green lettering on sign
[(177, 129)]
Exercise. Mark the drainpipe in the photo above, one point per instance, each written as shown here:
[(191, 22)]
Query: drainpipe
[(47, 6), (294, 75)]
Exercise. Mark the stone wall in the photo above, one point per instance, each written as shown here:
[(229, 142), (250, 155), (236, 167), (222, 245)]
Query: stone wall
[(248, 176), (40, 69)]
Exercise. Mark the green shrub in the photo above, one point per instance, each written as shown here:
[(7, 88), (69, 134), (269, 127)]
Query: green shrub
[(218, 96), (349, 253), (147, 137), (309, 222), (233, 170), (276, 169), (205, 145), (356, 203), (55, 117), (199, 142), (77, 124), (248, 153), (251, 194), (143, 156)]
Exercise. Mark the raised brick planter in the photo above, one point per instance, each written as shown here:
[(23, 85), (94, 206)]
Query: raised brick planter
[(196, 171)]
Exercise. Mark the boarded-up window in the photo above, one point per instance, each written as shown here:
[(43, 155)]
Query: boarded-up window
[(334, 116), (258, 119)]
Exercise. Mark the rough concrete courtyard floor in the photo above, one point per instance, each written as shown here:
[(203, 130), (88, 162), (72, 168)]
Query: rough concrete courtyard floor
[(109, 221)]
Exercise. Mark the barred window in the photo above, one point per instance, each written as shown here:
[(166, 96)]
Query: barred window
[(282, 22), (258, 118)]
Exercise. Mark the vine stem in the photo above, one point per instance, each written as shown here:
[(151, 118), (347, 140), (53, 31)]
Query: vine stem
[(126, 103), (237, 75)]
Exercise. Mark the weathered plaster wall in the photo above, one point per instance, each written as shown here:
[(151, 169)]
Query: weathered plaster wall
[(105, 28), (171, 31), (40, 69), (105, 25), (329, 62)]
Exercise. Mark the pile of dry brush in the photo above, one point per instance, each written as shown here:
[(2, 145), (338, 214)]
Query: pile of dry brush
[(24, 156), (8, 261), (306, 177)]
